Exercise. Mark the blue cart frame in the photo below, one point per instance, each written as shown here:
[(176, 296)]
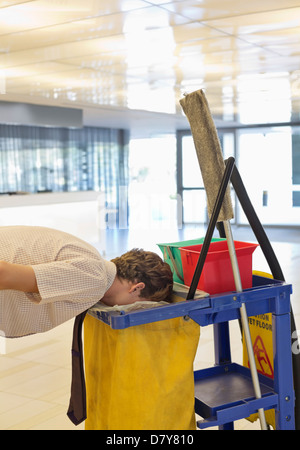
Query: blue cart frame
[(224, 393)]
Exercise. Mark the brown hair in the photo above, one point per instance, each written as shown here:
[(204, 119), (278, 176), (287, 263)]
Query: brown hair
[(138, 265)]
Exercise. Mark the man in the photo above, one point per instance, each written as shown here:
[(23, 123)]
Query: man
[(49, 276)]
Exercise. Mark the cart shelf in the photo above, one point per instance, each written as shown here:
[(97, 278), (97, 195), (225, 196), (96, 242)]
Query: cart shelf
[(225, 393)]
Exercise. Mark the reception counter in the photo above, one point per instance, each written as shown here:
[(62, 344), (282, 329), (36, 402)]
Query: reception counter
[(78, 213)]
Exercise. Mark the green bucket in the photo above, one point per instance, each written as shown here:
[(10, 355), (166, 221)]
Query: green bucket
[(171, 254)]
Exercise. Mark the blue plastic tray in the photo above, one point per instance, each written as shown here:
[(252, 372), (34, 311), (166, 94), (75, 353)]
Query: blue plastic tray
[(266, 295), (225, 393)]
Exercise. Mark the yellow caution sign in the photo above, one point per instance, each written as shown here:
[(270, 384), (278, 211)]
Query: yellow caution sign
[(262, 340)]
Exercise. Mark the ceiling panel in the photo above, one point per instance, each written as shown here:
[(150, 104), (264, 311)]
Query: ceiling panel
[(258, 22), (41, 13), (7, 3), (213, 9), (20, 74), (284, 37), (135, 54), (128, 22)]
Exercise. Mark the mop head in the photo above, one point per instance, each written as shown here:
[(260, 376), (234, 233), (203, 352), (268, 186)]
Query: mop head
[(208, 150)]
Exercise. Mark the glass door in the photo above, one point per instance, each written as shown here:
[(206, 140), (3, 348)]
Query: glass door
[(189, 179), (267, 162), (193, 192)]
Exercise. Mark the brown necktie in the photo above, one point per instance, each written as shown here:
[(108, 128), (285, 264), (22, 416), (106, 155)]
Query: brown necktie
[(77, 406)]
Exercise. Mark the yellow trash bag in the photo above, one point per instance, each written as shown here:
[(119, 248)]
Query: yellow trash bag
[(141, 377), (262, 341)]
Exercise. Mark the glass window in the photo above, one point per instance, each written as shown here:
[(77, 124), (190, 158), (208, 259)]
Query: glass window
[(194, 206), (296, 157), (152, 188), (191, 174), (40, 159), (268, 164), (227, 143), (193, 192)]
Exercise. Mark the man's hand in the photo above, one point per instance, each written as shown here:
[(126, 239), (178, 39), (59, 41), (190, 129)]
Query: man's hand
[(18, 277)]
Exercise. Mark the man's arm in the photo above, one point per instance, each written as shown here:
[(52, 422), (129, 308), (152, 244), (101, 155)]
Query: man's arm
[(17, 277)]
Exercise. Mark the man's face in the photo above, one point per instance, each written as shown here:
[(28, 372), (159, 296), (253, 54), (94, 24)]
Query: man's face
[(123, 292)]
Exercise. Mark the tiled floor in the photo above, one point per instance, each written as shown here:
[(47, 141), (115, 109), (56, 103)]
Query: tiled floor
[(35, 371)]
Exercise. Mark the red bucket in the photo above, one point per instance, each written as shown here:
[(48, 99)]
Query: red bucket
[(217, 274)]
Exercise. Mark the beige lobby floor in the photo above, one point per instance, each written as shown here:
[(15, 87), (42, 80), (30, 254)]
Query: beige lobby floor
[(35, 371)]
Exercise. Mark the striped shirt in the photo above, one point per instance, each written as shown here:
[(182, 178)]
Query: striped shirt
[(71, 277)]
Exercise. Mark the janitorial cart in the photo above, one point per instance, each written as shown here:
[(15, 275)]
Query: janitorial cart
[(228, 391)]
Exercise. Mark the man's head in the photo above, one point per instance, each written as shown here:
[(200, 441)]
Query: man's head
[(141, 275)]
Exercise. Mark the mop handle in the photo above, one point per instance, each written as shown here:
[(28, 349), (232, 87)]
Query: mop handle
[(245, 323)]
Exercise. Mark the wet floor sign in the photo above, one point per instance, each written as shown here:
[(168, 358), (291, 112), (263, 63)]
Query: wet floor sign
[(261, 327), (262, 340)]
